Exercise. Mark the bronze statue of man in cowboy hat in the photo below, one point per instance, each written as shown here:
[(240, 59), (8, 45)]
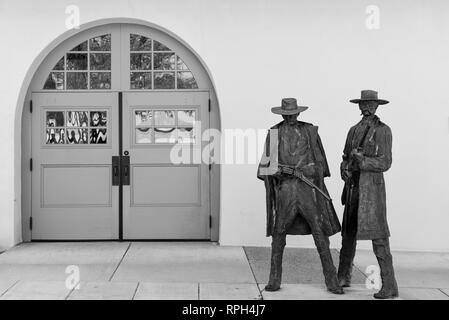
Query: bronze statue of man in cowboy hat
[(367, 154), (293, 168)]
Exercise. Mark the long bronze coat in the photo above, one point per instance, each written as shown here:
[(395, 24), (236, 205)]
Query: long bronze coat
[(371, 211), (269, 164)]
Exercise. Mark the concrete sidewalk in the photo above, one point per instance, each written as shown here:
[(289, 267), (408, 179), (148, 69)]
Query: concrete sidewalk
[(195, 270)]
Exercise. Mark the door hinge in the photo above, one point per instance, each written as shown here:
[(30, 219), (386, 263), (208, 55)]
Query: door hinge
[(209, 105), (31, 164), (31, 106), (31, 223), (210, 222)]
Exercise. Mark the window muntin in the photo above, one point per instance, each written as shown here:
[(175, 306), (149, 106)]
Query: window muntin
[(164, 126), (74, 127), (86, 66), (155, 66)]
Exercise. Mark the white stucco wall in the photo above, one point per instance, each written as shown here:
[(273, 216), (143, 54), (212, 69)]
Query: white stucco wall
[(259, 51)]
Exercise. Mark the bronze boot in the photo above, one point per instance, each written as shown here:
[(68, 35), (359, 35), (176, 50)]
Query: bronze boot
[(389, 288), (345, 265), (329, 271), (277, 251)]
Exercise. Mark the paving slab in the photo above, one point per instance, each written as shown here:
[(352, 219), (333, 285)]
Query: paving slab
[(104, 291), (184, 262), (229, 291), (54, 272), (300, 265), (37, 290), (445, 291), (167, 291), (413, 269), (65, 253), (6, 284), (316, 292), (422, 294)]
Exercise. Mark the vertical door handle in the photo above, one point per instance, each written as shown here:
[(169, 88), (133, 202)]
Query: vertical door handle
[(115, 170), (125, 171)]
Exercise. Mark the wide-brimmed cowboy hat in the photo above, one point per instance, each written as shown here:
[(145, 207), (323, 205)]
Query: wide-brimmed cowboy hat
[(289, 106), (369, 95)]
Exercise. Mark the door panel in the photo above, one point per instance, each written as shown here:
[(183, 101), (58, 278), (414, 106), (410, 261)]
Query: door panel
[(74, 138), (165, 200)]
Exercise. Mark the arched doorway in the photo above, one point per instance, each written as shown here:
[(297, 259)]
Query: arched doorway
[(106, 107)]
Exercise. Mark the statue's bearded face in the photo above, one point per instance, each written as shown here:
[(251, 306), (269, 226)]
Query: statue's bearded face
[(368, 108), (290, 118)]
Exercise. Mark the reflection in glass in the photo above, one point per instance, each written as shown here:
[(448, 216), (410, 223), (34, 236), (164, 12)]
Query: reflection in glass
[(164, 61), (77, 136), (98, 136), (140, 80), (55, 136), (186, 135), (76, 80), (59, 65), (186, 80), (181, 65), (98, 118), (165, 135), (77, 119), (186, 117), (160, 47), (139, 43), (101, 43), (164, 80), (140, 61), (144, 135), (100, 80), (164, 117), (100, 61), (55, 118), (76, 61), (143, 117), (55, 81), (81, 47)]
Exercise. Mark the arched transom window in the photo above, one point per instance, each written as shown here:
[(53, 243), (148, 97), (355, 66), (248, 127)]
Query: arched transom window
[(152, 66)]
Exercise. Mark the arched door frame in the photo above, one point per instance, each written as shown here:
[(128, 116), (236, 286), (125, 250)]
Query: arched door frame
[(33, 81)]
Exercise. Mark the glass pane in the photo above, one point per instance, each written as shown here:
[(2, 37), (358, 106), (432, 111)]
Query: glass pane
[(181, 65), (185, 135), (98, 118), (76, 61), (139, 43), (164, 80), (100, 80), (186, 80), (81, 47), (100, 61), (164, 61), (76, 80), (144, 135), (160, 47), (140, 80), (55, 81), (143, 118), (98, 136), (59, 65), (140, 61), (186, 117), (55, 119), (55, 136), (164, 117), (77, 119), (101, 43), (77, 136), (165, 135)]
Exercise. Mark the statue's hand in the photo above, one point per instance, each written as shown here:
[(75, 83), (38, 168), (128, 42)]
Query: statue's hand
[(357, 155)]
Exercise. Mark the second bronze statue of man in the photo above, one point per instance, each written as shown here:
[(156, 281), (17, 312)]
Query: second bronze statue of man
[(293, 168)]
